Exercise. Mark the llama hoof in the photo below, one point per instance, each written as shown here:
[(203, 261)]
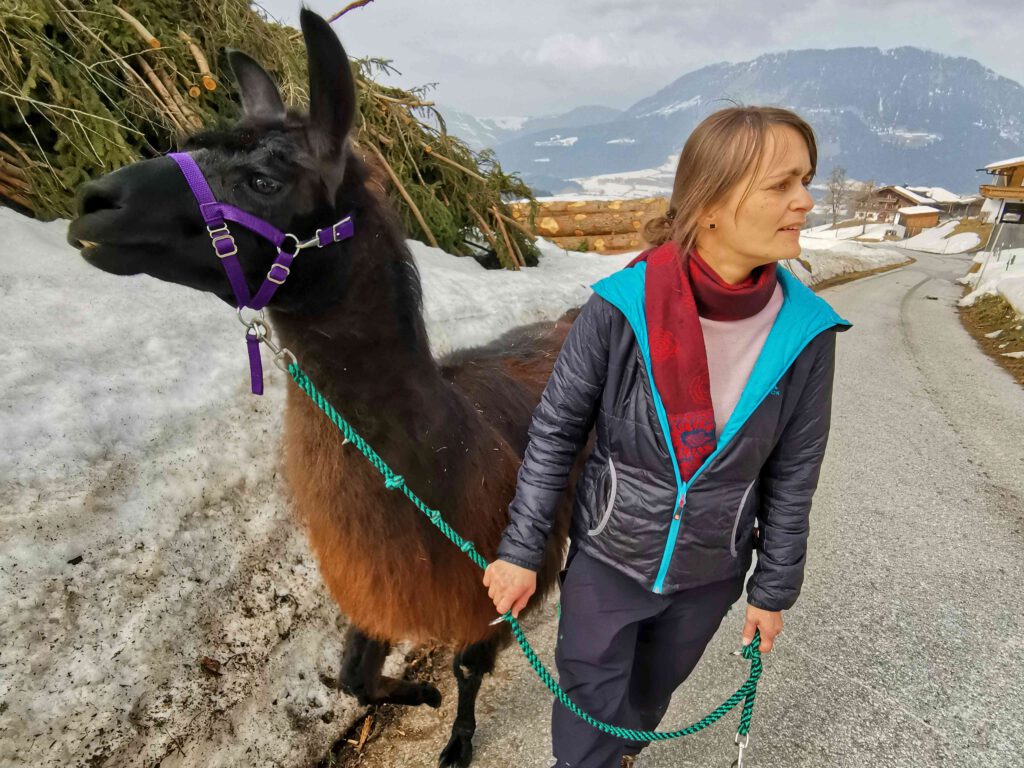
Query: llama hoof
[(430, 695), (459, 751)]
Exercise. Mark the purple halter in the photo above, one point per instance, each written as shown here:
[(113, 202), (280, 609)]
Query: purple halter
[(216, 215)]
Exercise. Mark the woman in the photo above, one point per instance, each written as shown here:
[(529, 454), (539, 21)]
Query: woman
[(735, 368)]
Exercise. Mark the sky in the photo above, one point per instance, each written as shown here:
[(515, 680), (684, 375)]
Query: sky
[(541, 57)]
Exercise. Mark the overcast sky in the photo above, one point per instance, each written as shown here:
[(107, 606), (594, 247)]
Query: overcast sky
[(536, 57)]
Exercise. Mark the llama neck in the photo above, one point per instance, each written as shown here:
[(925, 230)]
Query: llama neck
[(369, 354)]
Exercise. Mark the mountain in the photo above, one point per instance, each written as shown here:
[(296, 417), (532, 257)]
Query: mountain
[(489, 132), (900, 116)]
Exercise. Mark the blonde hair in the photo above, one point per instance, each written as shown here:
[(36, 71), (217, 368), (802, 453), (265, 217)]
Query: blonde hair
[(718, 154)]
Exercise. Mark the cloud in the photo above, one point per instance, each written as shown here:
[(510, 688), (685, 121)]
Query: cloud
[(537, 57), (571, 50)]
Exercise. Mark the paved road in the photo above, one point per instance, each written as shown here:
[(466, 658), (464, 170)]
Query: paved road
[(906, 648)]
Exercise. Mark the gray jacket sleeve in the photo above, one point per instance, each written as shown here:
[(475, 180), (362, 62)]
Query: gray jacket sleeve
[(788, 481), (561, 423)]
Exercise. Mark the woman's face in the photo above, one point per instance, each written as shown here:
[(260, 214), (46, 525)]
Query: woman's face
[(765, 227)]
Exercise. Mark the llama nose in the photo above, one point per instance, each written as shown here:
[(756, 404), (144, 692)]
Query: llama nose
[(98, 195)]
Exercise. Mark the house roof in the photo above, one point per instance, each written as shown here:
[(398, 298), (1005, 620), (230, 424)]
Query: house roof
[(911, 210), (912, 196), (942, 195), (1005, 163)]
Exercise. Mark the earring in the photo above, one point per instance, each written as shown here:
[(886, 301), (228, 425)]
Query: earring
[(712, 226)]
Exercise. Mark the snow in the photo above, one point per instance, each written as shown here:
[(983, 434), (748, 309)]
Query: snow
[(630, 185), (1001, 274), (941, 240), (942, 195), (989, 209), (825, 232), (911, 210), (509, 123), (1004, 163), (557, 141), (920, 199), (672, 108), (130, 440)]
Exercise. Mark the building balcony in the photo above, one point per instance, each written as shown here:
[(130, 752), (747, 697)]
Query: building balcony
[(1001, 193)]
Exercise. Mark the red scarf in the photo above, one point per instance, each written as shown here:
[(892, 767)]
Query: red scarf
[(677, 290)]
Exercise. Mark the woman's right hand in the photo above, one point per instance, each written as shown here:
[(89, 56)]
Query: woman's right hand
[(509, 586)]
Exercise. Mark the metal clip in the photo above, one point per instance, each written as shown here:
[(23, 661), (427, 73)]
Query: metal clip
[(258, 315), (300, 245), (742, 745), (280, 361), (283, 357)]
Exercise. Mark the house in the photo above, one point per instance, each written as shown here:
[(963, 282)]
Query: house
[(1005, 201), (883, 204), (916, 218), (951, 204)]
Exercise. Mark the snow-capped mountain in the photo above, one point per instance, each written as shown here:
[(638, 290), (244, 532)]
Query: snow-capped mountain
[(489, 132), (903, 116)]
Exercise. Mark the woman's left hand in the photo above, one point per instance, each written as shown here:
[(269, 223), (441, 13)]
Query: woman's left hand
[(770, 624)]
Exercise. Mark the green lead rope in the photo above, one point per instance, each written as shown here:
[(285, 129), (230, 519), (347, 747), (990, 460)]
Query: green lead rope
[(745, 693)]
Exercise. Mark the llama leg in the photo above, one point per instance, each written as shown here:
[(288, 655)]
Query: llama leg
[(361, 675), (470, 666)]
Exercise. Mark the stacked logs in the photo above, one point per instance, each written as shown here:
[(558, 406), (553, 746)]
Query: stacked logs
[(601, 226), (15, 184)]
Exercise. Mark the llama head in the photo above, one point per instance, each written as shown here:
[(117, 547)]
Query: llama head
[(283, 167)]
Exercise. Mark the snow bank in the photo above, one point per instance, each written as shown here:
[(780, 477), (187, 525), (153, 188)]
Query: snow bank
[(938, 240), (144, 522), (1001, 275)]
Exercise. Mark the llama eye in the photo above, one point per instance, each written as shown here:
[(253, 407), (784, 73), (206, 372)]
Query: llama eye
[(264, 185)]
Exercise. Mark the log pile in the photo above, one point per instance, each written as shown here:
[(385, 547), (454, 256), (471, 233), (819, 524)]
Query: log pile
[(601, 226)]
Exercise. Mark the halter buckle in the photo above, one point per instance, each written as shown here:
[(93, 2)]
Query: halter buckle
[(222, 233), (273, 279)]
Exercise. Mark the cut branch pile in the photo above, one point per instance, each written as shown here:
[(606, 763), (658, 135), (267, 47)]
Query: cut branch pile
[(88, 86)]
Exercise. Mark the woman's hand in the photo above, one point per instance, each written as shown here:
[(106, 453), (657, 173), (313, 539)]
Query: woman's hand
[(509, 586), (770, 624)]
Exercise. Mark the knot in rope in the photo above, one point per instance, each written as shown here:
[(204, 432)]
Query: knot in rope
[(751, 651), (395, 481)]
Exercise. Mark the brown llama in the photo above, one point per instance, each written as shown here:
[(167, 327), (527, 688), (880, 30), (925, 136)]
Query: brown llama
[(351, 312)]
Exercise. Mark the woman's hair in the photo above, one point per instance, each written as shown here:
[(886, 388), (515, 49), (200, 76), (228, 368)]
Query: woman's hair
[(719, 152)]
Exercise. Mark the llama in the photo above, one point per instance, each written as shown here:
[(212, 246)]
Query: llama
[(351, 312)]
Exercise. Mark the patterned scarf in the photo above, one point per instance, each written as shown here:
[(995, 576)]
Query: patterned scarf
[(678, 289)]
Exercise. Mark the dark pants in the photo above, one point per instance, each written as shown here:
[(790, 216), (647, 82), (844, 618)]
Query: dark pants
[(621, 652)]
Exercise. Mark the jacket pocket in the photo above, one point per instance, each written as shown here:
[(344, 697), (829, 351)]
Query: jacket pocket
[(609, 501), (739, 514)]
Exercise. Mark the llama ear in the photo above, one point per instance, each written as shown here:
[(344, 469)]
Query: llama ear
[(332, 91), (260, 97)]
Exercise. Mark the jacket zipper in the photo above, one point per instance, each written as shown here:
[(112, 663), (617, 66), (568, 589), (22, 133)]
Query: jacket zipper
[(673, 532)]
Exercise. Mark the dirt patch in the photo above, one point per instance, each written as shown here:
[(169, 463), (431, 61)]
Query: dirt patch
[(989, 315), (369, 737), (851, 276)]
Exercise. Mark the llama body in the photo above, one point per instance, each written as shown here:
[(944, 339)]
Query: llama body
[(351, 312), (458, 442)]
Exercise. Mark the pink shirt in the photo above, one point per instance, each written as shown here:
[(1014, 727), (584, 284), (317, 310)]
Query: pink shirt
[(733, 347)]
